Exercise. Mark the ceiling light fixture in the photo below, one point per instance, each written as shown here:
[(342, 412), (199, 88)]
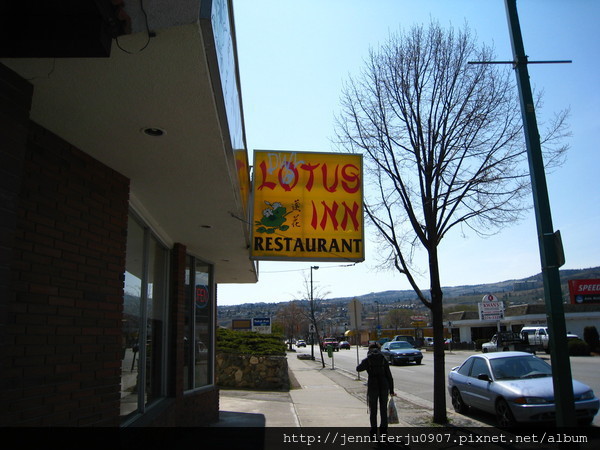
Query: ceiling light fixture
[(154, 131)]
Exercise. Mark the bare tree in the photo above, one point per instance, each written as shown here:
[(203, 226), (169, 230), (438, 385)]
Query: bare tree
[(443, 149), (292, 318), (398, 318), (314, 313)]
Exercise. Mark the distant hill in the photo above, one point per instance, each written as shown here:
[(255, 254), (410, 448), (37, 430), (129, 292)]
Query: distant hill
[(525, 290), (473, 293)]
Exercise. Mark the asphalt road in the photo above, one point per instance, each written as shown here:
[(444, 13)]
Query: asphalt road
[(416, 380)]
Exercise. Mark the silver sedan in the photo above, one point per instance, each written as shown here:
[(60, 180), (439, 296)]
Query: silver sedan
[(516, 386)]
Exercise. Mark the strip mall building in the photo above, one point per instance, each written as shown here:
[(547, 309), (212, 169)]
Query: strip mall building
[(466, 326), (123, 206)]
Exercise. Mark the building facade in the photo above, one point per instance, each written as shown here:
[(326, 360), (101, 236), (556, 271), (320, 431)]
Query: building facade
[(467, 327), (124, 183)]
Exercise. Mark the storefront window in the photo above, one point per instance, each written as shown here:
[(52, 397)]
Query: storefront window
[(156, 304), (144, 320), (198, 324)]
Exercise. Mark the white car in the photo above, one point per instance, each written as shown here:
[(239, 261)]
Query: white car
[(491, 346)]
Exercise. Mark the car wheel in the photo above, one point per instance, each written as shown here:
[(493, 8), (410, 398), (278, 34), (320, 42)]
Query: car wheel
[(504, 415), (484, 350), (458, 403), (418, 361)]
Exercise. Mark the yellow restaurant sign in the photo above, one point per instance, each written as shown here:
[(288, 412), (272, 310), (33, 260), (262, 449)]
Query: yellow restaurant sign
[(307, 206)]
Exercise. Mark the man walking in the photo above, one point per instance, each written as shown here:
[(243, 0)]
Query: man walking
[(380, 385)]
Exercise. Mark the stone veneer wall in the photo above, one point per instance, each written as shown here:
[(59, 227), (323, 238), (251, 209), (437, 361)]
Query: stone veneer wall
[(252, 372)]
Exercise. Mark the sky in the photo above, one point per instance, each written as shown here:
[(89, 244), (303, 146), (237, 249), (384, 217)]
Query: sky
[(295, 55)]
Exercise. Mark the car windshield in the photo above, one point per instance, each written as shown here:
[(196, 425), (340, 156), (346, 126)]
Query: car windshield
[(399, 345), (520, 367)]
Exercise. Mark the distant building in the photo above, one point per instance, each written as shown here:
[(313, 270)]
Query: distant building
[(467, 327)]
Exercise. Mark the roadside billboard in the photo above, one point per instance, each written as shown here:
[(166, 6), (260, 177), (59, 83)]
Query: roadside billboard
[(584, 291), (261, 325), (307, 206), (241, 324), (490, 308)]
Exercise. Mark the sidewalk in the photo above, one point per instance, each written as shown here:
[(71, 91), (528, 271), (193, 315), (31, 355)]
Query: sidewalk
[(319, 397)]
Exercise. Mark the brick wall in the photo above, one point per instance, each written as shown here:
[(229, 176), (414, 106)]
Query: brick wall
[(63, 223), (63, 322), (195, 408), (15, 102)]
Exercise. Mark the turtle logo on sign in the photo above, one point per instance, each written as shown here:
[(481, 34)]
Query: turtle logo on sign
[(273, 218)]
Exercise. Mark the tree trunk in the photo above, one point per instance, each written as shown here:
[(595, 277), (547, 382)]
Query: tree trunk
[(437, 316)]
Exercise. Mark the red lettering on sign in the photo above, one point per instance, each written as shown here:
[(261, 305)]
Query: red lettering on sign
[(333, 187), (330, 212), (353, 178), (351, 213), (265, 183), (311, 176), (287, 174)]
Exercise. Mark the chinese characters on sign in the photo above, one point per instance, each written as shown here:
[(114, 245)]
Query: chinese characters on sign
[(307, 206)]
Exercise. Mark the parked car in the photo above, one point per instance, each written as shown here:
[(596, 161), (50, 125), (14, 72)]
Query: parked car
[(300, 343), (330, 341), (539, 337), (344, 344), (428, 341), (507, 341), (515, 386), (406, 338), (401, 352)]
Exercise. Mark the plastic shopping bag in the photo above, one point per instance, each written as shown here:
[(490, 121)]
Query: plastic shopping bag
[(392, 411)]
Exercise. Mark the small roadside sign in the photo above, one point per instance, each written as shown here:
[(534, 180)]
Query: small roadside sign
[(261, 325), (355, 311)]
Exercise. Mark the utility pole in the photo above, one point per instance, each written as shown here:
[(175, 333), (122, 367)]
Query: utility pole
[(314, 320), (551, 253)]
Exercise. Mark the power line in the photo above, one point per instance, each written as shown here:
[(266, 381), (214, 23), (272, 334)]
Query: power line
[(302, 270)]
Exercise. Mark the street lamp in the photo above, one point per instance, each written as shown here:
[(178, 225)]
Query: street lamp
[(378, 321)]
